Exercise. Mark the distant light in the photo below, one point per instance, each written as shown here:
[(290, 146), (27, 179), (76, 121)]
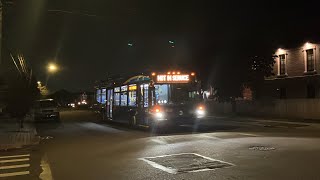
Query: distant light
[(130, 44), (171, 42), (39, 82), (193, 74), (153, 74), (169, 73), (178, 72), (173, 72)]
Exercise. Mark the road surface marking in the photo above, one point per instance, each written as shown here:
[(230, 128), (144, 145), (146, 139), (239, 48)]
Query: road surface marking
[(175, 171), (14, 166), (14, 160), (158, 166), (189, 153), (46, 170), (16, 156), (15, 174)]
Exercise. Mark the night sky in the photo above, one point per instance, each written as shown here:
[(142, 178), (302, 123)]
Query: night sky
[(89, 39)]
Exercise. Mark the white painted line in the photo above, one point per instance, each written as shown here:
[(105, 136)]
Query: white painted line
[(14, 166), (14, 160), (15, 174), (158, 166), (175, 171), (46, 170), (16, 156), (212, 159)]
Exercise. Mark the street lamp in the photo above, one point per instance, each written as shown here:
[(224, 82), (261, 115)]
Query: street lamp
[(52, 68)]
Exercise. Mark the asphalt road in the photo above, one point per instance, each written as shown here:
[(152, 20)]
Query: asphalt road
[(82, 147)]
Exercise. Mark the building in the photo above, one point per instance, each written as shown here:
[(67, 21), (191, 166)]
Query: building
[(296, 73)]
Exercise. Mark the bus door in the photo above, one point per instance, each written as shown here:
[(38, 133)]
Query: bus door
[(109, 103), (145, 101), (142, 102)]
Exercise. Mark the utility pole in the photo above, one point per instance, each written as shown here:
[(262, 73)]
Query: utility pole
[(1, 19)]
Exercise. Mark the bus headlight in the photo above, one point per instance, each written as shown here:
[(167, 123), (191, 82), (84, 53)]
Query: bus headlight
[(159, 115), (200, 112)]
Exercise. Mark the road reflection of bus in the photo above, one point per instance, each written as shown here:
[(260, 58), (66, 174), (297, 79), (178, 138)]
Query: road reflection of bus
[(159, 99)]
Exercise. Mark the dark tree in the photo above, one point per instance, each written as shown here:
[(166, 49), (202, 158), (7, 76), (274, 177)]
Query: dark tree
[(22, 92), (259, 67)]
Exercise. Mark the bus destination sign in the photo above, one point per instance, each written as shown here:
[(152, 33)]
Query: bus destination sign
[(168, 78)]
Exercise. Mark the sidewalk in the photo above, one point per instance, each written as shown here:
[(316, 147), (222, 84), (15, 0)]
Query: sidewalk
[(11, 136)]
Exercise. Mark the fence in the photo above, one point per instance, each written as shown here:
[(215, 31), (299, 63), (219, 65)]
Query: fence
[(290, 108)]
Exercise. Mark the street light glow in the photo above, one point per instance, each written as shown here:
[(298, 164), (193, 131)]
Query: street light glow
[(52, 68)]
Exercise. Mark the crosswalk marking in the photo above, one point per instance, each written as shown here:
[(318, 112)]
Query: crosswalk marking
[(16, 156), (15, 174), (14, 160), (20, 167), (14, 166)]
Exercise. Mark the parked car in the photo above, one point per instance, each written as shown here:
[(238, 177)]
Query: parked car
[(46, 109)]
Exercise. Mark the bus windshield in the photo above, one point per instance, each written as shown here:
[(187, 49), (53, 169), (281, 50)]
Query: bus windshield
[(181, 93), (175, 93)]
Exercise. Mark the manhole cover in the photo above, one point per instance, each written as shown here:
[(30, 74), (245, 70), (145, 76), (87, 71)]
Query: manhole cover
[(262, 148), (185, 162)]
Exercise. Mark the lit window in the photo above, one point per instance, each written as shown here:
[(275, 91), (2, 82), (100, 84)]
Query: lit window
[(123, 97), (103, 96), (310, 60), (132, 98), (116, 99), (282, 60)]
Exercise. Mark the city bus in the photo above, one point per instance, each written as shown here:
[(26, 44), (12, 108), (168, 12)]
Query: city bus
[(158, 99)]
